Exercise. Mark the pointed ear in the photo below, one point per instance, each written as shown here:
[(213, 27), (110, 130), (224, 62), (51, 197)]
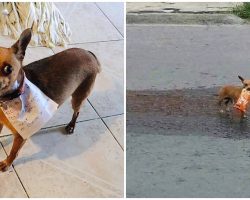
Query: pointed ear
[(20, 46), (242, 79)]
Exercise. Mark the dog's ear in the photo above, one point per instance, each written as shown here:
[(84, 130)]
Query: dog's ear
[(20, 46), (242, 79)]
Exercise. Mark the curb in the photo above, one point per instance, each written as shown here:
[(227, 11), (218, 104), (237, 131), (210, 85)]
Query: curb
[(183, 18)]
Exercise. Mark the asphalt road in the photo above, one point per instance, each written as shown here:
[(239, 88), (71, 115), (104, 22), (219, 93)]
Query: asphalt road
[(174, 57), (178, 144)]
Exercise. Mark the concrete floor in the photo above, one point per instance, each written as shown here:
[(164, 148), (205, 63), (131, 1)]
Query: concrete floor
[(55, 165)]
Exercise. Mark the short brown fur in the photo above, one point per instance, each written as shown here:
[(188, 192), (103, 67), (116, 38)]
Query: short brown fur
[(68, 73), (230, 93)]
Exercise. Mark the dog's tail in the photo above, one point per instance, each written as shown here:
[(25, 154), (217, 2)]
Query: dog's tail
[(98, 62)]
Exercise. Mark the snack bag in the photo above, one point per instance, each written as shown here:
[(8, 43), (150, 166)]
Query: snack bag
[(243, 100)]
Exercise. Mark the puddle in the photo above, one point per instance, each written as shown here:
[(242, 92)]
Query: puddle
[(182, 112)]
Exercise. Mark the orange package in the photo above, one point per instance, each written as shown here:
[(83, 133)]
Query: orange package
[(243, 100)]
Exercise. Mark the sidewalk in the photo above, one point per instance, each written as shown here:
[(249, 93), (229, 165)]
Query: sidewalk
[(181, 7), (88, 163), (182, 13)]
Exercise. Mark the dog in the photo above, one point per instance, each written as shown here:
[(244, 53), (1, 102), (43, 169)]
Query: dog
[(69, 73), (231, 94)]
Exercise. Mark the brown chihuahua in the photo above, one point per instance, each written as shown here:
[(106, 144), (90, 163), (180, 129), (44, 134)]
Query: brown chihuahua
[(230, 94), (69, 73)]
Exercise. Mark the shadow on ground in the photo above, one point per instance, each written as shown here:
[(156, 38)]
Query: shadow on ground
[(53, 142)]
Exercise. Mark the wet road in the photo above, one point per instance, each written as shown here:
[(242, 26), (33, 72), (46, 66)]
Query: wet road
[(178, 144)]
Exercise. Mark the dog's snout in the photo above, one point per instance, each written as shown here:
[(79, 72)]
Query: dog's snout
[(4, 82)]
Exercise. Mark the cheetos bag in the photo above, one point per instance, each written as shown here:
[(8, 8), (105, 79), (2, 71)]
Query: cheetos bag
[(243, 100)]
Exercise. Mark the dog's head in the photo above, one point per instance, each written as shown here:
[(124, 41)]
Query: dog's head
[(11, 62), (246, 83)]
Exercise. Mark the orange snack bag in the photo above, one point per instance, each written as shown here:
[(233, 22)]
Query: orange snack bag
[(243, 100)]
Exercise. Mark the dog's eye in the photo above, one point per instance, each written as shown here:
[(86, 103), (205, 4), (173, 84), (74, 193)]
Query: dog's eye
[(7, 70), (248, 89)]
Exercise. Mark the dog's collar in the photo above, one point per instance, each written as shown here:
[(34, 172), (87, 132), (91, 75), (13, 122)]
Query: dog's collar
[(17, 92)]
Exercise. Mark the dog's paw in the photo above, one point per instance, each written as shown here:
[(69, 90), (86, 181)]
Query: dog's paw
[(222, 111), (4, 166), (70, 128)]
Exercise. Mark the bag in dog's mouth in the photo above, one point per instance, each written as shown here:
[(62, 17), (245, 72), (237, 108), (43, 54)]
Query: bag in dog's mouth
[(243, 100)]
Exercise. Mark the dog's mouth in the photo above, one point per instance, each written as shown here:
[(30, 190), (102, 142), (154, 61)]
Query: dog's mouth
[(6, 86), (12, 89), (4, 83)]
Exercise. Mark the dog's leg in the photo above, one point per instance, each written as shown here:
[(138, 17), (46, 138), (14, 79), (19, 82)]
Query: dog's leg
[(228, 100), (71, 125), (221, 99), (18, 142), (243, 115), (78, 97), (17, 145)]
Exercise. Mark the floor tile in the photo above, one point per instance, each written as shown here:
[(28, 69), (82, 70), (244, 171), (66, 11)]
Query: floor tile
[(10, 186), (55, 182), (64, 114), (5, 131), (108, 93), (88, 163), (115, 12), (87, 23), (116, 125), (36, 53), (6, 41)]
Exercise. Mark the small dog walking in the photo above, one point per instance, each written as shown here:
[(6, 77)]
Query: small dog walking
[(29, 95), (238, 96)]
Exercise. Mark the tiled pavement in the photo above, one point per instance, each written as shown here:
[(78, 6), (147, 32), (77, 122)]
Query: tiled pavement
[(88, 163)]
